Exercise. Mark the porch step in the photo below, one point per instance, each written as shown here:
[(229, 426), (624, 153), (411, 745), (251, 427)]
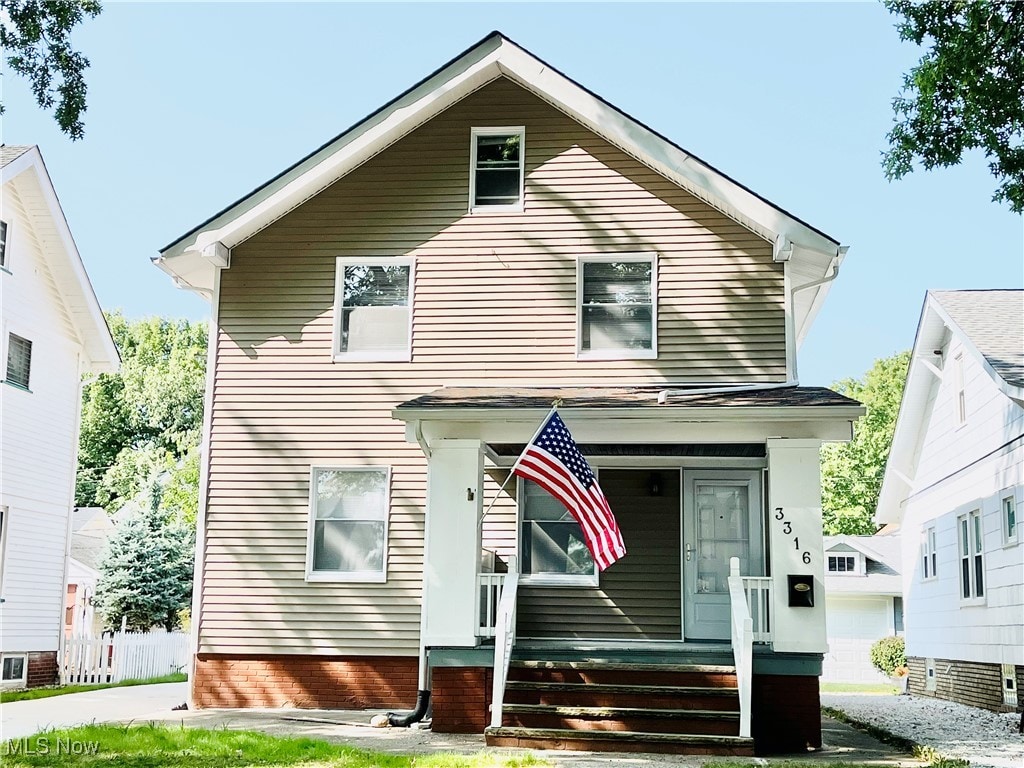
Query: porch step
[(601, 672), (618, 741), (718, 698), (635, 719)]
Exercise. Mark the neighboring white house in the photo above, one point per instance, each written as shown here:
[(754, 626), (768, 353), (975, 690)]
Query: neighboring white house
[(51, 333), (955, 482), (91, 530), (863, 603)]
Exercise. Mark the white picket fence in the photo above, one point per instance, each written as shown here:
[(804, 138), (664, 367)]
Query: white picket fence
[(118, 656)]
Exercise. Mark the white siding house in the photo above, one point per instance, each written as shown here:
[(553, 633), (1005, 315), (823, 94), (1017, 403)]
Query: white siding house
[(863, 603), (51, 333), (955, 483)]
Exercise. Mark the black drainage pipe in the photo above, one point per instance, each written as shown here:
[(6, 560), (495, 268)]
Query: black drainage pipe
[(404, 721)]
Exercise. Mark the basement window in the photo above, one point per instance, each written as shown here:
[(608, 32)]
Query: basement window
[(13, 669), (1009, 672), (497, 169)]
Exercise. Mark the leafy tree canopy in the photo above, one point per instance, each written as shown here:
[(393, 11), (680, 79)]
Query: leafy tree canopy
[(966, 92), (145, 421), (851, 473), (35, 36)]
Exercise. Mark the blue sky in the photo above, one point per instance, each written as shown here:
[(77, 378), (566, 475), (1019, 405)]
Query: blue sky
[(193, 105)]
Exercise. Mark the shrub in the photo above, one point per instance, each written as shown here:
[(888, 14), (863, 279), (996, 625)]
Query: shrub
[(888, 654)]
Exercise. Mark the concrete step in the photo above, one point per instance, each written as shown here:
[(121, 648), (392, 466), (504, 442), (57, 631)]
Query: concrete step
[(636, 719), (724, 699), (618, 741), (602, 673)]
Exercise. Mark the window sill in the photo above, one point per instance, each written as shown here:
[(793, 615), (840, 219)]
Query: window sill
[(1010, 543), (478, 209), (5, 269), (374, 577), (974, 602), (404, 356), (17, 386), (554, 580), (618, 354)]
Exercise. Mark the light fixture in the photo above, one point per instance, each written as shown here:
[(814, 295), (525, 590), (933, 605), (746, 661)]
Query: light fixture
[(654, 484)]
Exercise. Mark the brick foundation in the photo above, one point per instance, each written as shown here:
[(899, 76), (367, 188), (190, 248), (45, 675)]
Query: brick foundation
[(965, 682), (312, 682), (42, 669), (460, 699), (786, 714)]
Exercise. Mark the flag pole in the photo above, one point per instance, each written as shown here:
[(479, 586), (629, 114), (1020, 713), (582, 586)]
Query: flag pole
[(554, 408)]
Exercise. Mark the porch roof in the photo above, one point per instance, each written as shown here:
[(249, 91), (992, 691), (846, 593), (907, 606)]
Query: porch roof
[(624, 397)]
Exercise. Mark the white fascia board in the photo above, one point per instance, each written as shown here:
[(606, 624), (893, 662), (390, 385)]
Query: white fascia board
[(99, 351), (709, 415), (494, 57), (911, 419)]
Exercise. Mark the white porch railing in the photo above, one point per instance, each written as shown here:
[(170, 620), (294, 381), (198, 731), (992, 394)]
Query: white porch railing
[(113, 658), (759, 594), (742, 642), (489, 591), (504, 637)]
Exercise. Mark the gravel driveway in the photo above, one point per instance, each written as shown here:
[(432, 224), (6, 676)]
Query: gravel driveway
[(987, 739)]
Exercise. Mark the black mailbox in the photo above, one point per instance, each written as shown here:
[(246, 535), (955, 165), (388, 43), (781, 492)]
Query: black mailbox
[(801, 591)]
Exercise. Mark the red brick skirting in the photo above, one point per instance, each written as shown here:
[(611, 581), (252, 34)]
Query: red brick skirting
[(42, 669), (786, 714), (312, 682), (460, 698)]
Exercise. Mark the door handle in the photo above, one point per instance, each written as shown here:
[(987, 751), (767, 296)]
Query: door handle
[(689, 551)]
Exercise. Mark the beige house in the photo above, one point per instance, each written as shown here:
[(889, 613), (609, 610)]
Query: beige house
[(394, 315)]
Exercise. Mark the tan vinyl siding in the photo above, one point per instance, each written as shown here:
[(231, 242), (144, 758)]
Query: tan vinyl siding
[(495, 301)]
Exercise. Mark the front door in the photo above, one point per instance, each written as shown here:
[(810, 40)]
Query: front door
[(721, 519)]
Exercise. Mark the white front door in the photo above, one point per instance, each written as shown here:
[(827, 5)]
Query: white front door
[(721, 519)]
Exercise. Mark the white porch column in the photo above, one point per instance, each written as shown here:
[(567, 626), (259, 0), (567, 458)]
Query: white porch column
[(794, 485), (452, 542)]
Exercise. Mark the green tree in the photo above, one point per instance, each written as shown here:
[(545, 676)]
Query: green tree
[(851, 473), (146, 572), (966, 92), (35, 36), (141, 423)]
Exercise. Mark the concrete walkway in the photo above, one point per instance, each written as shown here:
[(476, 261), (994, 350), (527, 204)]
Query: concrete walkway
[(153, 703), (137, 702)]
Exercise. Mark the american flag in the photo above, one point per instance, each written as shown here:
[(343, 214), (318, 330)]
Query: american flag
[(553, 462)]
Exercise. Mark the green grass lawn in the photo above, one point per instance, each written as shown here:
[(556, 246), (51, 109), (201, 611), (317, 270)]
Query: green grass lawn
[(157, 746), (858, 688), (45, 693)]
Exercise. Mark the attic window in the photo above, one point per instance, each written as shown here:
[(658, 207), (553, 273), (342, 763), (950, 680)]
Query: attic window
[(496, 169), (842, 564)]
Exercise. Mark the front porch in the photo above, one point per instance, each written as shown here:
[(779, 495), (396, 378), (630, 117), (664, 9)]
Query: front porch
[(718, 501)]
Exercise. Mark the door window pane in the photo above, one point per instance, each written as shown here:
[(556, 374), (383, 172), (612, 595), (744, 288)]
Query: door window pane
[(723, 522)]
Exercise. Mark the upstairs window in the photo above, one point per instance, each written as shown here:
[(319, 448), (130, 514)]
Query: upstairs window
[(373, 302), (19, 361), (3, 243), (843, 564), (617, 313), (1008, 508), (961, 390), (553, 548), (348, 524), (496, 169), (972, 561), (929, 556)]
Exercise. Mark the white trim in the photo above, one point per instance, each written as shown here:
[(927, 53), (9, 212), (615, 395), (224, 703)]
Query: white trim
[(23, 680), (1009, 494), (212, 344), (62, 603), (545, 579), (632, 257), (929, 675), (5, 524), (790, 326), (5, 265), (397, 355), (929, 552), (346, 576), (507, 130), (974, 519), (1008, 673), (959, 390)]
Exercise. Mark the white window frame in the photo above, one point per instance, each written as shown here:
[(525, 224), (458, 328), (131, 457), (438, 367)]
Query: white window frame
[(856, 570), (617, 354), (369, 355), (5, 351), (974, 520), (5, 524), (500, 130), (929, 554), (5, 239), (1009, 495), (929, 675), (545, 579), (378, 577), (23, 680), (1009, 675), (960, 390)]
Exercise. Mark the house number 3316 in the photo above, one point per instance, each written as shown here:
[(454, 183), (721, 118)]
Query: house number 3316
[(787, 528)]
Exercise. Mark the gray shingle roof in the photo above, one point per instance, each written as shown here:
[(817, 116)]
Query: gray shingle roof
[(994, 322), (10, 153), (621, 397)]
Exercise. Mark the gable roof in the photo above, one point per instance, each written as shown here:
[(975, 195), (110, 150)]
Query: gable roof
[(193, 258), (884, 550), (881, 549), (23, 169), (990, 326)]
